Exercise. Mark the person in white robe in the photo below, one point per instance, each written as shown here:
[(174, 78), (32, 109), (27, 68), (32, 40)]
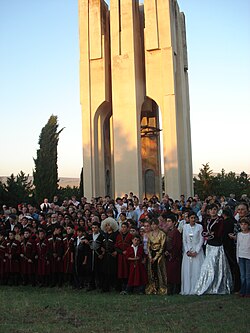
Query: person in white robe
[(193, 255)]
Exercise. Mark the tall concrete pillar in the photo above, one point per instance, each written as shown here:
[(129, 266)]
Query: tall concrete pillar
[(166, 84), (95, 90), (128, 89)]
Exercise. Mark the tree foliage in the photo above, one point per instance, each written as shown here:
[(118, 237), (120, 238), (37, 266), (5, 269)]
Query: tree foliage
[(46, 171), (221, 184), (204, 184), (2, 194), (16, 190), (68, 192)]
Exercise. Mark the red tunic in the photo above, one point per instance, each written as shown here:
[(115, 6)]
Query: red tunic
[(137, 271), (27, 256), (2, 258), (42, 257), (56, 250), (13, 256), (122, 244), (68, 243), (173, 262)]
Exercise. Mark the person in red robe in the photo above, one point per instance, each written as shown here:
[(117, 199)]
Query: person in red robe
[(27, 258), (68, 257), (13, 257), (173, 253), (56, 251), (42, 258), (123, 242), (137, 278), (3, 248)]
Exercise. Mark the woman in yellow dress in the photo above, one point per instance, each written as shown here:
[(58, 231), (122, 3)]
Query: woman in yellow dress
[(156, 261)]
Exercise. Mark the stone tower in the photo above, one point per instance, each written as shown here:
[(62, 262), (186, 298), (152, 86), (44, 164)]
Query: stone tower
[(134, 98)]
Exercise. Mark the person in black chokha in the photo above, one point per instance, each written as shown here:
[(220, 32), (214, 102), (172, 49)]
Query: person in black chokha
[(95, 257), (80, 259), (110, 227)]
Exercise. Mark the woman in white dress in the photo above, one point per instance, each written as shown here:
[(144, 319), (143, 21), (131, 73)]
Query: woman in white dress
[(193, 255)]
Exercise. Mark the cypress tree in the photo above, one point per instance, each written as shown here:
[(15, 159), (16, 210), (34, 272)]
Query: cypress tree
[(46, 173), (81, 187)]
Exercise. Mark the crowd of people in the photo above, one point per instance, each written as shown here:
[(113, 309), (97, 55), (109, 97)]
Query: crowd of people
[(154, 246)]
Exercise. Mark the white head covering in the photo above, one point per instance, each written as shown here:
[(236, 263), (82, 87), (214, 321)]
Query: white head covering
[(112, 222)]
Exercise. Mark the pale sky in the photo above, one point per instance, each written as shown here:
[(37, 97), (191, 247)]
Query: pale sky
[(39, 76)]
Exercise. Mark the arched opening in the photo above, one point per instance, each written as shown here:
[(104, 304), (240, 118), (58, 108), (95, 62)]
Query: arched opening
[(107, 155), (102, 144), (150, 148)]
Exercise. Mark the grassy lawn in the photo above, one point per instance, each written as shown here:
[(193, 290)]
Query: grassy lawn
[(27, 309)]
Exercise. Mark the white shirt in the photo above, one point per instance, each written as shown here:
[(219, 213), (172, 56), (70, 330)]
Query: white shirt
[(95, 236), (118, 207), (75, 203), (135, 249), (237, 217), (145, 244), (181, 225), (78, 241), (46, 204), (243, 245)]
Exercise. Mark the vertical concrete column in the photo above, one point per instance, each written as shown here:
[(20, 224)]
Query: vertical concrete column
[(182, 99), (169, 92), (160, 84), (95, 89), (189, 164), (127, 94), (85, 98)]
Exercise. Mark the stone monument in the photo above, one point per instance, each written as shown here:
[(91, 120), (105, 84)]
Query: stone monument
[(134, 98)]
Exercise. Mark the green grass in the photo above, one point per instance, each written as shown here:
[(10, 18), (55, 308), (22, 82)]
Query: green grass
[(34, 310)]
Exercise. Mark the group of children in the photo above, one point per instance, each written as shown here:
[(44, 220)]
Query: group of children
[(73, 257)]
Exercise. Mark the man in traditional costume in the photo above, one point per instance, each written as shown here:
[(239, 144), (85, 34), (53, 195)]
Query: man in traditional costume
[(3, 249), (123, 242), (68, 257), (27, 258), (13, 259), (109, 226), (173, 253), (95, 257), (56, 251), (80, 259), (42, 258)]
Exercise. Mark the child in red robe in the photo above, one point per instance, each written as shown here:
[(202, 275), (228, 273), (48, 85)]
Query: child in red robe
[(137, 278)]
